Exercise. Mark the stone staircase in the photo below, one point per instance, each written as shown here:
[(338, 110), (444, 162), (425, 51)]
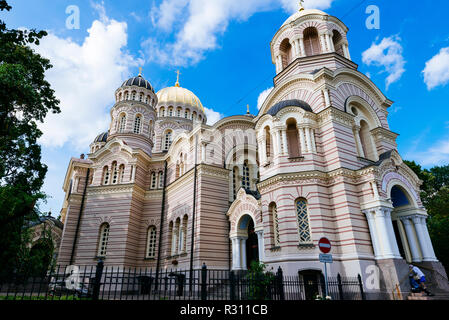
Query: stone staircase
[(424, 296)]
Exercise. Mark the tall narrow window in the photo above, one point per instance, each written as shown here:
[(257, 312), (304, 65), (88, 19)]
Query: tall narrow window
[(168, 140), (103, 242), (114, 171), (122, 123), (134, 95), (311, 41), (175, 234), (161, 180), (178, 112), (235, 182), (170, 112), (153, 180), (137, 124), (274, 216), (105, 175), (151, 242), (141, 97), (268, 142), (121, 173), (246, 183), (303, 221), (294, 149)]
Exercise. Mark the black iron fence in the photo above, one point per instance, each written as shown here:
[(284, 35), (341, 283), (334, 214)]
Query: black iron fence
[(113, 283)]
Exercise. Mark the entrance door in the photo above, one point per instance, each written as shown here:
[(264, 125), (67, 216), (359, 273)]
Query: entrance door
[(311, 280), (252, 245)]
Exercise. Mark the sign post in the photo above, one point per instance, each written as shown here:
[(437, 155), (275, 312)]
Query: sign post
[(325, 247)]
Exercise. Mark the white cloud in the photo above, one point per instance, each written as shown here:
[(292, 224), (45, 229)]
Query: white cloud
[(212, 116), (388, 55), (436, 72), (263, 96), (436, 155), (85, 78), (197, 24)]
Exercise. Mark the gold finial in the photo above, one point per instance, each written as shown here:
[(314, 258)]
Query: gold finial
[(177, 79), (247, 109), (140, 71), (301, 7)]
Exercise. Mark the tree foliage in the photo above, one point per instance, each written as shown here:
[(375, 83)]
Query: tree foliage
[(25, 100)]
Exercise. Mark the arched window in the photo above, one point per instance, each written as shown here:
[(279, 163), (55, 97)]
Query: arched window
[(161, 180), (167, 140), (302, 216), (366, 141), (177, 173), (162, 112), (286, 53), (147, 99), (268, 142), (170, 112), (103, 240), (105, 175), (274, 216), (311, 41), (122, 123), (114, 171), (175, 237), (121, 173), (235, 181), (178, 112), (153, 180), (187, 114), (337, 39), (126, 95), (151, 242), (137, 124), (134, 95), (141, 97), (246, 182), (294, 150)]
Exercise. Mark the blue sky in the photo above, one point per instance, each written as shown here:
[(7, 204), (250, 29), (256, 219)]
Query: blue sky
[(222, 49)]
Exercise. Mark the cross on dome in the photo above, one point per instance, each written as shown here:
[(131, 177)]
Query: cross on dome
[(177, 79), (301, 6)]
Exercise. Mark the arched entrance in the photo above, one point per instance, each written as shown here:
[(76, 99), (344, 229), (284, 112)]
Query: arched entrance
[(401, 203), (252, 246)]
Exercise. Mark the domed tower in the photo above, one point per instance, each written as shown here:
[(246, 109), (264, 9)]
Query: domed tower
[(178, 109), (308, 40), (133, 115)]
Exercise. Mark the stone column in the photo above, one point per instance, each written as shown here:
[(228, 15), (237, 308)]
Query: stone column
[(323, 43), (304, 147), (392, 236), (277, 134), (301, 45), (330, 34), (261, 245), (426, 249), (308, 140), (284, 140), (346, 51), (243, 253), (133, 175), (328, 42), (358, 142), (327, 99), (203, 152), (298, 48), (278, 64), (236, 265), (413, 245), (384, 235), (429, 241), (373, 232), (312, 136)]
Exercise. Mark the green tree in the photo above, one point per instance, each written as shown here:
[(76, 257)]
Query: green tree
[(25, 100)]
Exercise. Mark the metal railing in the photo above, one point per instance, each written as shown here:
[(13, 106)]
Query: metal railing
[(118, 283)]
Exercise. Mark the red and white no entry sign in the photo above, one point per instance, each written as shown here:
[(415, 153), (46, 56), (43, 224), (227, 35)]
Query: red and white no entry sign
[(325, 245)]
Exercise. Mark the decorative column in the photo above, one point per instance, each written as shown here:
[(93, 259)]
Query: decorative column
[(278, 64), (392, 236), (298, 48), (346, 51), (323, 43), (381, 217), (243, 252), (373, 232), (302, 47), (312, 136), (308, 140), (328, 42), (427, 252), (429, 241), (413, 244), (277, 134), (261, 246), (304, 147), (327, 99), (332, 47), (236, 254), (203, 152), (133, 174), (284, 140), (358, 142)]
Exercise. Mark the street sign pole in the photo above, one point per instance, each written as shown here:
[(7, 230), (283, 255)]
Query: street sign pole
[(325, 247), (325, 279)]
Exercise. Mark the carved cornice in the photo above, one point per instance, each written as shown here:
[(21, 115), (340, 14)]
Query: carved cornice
[(116, 189), (382, 133), (332, 114)]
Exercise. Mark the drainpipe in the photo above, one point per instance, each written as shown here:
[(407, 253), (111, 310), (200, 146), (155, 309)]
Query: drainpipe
[(79, 217), (161, 225), (193, 211)]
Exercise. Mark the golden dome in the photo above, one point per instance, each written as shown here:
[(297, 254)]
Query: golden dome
[(174, 96)]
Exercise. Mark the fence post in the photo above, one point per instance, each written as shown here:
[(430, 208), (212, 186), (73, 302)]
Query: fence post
[(232, 285), (361, 287), (204, 282), (340, 287), (97, 283), (280, 283)]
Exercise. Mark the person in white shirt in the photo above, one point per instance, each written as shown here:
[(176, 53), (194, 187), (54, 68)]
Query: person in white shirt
[(420, 278)]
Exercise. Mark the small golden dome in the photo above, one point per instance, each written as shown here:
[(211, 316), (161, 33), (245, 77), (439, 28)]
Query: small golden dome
[(174, 96)]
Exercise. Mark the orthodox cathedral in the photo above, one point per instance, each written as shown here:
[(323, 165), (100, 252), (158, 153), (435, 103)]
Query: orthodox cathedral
[(163, 189)]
